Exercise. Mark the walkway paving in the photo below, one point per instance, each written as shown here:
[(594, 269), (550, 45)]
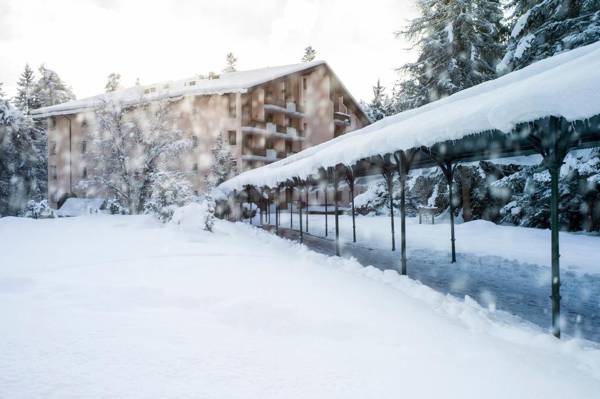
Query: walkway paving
[(518, 288)]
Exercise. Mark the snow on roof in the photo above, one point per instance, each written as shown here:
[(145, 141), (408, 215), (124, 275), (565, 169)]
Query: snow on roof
[(227, 82), (566, 85)]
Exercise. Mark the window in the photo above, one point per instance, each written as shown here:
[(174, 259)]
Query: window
[(53, 148), (195, 168), (231, 136), (191, 83), (232, 105), (194, 141), (53, 173), (84, 174), (52, 123), (288, 147), (304, 82), (83, 147), (84, 123)]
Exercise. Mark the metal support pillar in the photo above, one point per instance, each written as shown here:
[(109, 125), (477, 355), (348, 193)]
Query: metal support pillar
[(388, 174), (350, 181), (277, 199), (554, 225), (403, 165), (291, 202), (300, 216), (450, 178), (326, 226), (553, 139), (306, 212), (337, 222)]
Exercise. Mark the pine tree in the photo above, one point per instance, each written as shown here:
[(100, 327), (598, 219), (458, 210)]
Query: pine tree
[(541, 29), (50, 89), (309, 54), (490, 38), (19, 162), (223, 165), (25, 99), (114, 82), (381, 105), (457, 43), (231, 63)]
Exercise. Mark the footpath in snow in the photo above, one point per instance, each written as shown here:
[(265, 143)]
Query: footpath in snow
[(121, 306)]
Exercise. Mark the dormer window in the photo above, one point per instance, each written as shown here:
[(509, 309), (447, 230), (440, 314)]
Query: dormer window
[(191, 83)]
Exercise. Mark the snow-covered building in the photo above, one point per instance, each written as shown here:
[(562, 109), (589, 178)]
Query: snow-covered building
[(264, 115)]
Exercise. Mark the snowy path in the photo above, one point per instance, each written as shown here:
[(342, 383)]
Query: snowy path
[(121, 306), (495, 282)]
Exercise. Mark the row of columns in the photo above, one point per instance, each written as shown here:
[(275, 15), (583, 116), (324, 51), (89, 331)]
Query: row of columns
[(552, 146)]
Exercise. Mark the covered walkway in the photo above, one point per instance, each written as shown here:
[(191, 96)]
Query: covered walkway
[(548, 108)]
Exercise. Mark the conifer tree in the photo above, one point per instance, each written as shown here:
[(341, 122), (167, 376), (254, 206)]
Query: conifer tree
[(457, 43), (25, 99), (113, 83), (381, 105), (231, 63), (50, 89), (541, 29), (309, 54), (223, 165)]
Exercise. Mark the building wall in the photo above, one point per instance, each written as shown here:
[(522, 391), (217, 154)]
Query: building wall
[(202, 119)]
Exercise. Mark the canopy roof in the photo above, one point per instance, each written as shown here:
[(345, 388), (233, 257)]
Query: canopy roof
[(227, 82), (566, 85)]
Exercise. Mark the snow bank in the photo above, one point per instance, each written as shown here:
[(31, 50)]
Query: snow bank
[(566, 85), (190, 217), (80, 206), (147, 311)]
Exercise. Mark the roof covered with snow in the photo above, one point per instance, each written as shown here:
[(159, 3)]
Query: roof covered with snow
[(566, 85), (227, 82)]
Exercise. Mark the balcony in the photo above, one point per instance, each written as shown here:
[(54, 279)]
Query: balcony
[(341, 122), (268, 157), (289, 108), (272, 130)]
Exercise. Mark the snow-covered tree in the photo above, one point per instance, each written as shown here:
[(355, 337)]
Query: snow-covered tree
[(210, 206), (457, 43), (490, 38), (19, 161), (131, 145), (223, 164), (231, 63), (113, 83), (26, 99), (50, 89), (541, 29), (169, 191), (309, 54), (381, 104), (1, 92)]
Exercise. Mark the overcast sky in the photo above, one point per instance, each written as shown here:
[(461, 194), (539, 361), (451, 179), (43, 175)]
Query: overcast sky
[(85, 40)]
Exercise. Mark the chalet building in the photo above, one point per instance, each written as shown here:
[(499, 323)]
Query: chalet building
[(264, 115)]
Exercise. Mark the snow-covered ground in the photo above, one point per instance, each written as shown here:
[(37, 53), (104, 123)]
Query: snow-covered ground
[(120, 306)]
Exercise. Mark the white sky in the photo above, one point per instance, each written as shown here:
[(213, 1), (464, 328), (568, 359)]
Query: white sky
[(86, 40)]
